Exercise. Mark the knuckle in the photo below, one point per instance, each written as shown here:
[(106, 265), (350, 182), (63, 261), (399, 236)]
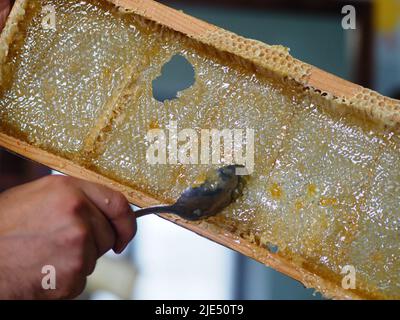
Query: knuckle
[(66, 197), (119, 205), (77, 236), (57, 180), (73, 203)]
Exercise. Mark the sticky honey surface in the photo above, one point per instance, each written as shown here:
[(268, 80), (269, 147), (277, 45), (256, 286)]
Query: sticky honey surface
[(52, 95), (325, 190)]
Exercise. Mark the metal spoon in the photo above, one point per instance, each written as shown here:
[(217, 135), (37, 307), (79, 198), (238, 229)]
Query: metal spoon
[(221, 188)]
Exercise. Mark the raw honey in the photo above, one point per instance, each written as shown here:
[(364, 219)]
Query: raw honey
[(325, 189)]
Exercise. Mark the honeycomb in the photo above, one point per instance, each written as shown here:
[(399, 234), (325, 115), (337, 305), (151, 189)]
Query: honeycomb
[(325, 188), (59, 97)]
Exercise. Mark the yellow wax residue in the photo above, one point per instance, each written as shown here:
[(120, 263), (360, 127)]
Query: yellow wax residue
[(154, 124), (326, 201), (180, 176), (311, 190), (377, 256), (299, 205), (106, 74), (276, 191)]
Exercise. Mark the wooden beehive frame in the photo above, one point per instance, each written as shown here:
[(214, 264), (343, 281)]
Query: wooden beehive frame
[(337, 94)]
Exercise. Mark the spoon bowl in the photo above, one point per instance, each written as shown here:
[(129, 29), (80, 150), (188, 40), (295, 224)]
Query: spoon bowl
[(220, 188)]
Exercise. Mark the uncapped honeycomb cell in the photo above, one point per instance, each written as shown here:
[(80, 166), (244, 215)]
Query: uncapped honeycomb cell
[(213, 102), (324, 191), (375, 250), (316, 189), (63, 78)]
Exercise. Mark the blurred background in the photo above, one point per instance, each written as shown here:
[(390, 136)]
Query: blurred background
[(167, 262)]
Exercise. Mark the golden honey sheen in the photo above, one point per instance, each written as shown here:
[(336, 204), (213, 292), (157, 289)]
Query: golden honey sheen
[(325, 189)]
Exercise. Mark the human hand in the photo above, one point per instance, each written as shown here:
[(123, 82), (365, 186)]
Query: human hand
[(63, 222)]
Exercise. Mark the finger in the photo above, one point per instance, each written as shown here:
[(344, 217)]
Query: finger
[(91, 252), (103, 233), (116, 209), (88, 248), (5, 7)]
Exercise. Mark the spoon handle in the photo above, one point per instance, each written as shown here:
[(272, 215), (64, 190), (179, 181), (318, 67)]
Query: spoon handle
[(155, 209)]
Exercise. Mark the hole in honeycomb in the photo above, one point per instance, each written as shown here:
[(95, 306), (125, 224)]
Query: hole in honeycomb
[(272, 248), (176, 75)]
